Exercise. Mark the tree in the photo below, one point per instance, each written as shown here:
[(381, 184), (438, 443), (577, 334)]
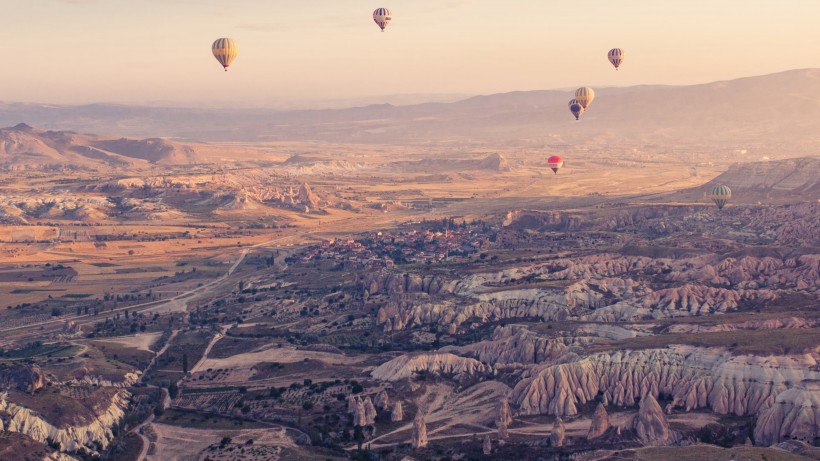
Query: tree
[(358, 436), (173, 390), (185, 363)]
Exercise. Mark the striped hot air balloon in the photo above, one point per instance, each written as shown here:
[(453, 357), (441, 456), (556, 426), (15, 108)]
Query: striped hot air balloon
[(555, 163), (616, 57), (571, 102), (576, 108), (584, 96), (382, 17), (721, 195), (225, 51)]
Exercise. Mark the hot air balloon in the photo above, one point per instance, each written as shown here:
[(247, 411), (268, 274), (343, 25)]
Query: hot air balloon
[(577, 109), (571, 102), (720, 195), (555, 163), (225, 51), (584, 96), (616, 57), (382, 17)]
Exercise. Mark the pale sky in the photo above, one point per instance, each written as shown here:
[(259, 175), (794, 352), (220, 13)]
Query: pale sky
[(158, 51)]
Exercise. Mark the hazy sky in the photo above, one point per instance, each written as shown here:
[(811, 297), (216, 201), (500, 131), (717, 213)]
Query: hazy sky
[(158, 51)]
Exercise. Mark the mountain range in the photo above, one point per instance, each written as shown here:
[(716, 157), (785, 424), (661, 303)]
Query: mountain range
[(780, 109)]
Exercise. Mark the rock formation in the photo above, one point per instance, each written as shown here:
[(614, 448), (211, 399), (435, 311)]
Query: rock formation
[(352, 404), (600, 422), (503, 431), (504, 411), (694, 377), (419, 432), (406, 366), (558, 434), (515, 345), (795, 414), (308, 198), (82, 435), (382, 401), (650, 423), (396, 414), (26, 378), (487, 446), (359, 414), (369, 412)]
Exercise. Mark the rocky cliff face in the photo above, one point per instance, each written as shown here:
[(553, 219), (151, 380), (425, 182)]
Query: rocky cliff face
[(514, 345), (795, 414), (692, 377), (650, 423), (603, 287), (437, 363), (26, 378), (82, 436), (600, 422), (789, 323), (389, 283)]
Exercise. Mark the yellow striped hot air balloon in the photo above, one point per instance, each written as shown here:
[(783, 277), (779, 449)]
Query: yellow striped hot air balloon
[(225, 51), (584, 96), (721, 195)]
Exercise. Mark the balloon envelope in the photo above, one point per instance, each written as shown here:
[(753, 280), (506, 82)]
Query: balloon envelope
[(721, 195), (616, 57), (584, 96), (225, 51), (382, 17), (576, 109), (555, 163)]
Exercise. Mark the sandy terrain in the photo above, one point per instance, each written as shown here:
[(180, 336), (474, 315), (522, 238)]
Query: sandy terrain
[(141, 341), (183, 444)]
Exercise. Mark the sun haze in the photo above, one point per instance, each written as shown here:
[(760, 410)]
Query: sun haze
[(157, 51)]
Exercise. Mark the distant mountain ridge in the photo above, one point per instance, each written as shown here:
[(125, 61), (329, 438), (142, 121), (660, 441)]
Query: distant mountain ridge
[(782, 108), (792, 180), (22, 146)]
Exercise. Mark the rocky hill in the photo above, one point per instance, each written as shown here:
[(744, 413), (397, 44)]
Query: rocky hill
[(791, 180), (24, 147)]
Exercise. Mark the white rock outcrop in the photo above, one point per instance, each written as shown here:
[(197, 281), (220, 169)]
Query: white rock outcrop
[(650, 423), (693, 377), (515, 345), (80, 437), (795, 414), (599, 424), (437, 363)]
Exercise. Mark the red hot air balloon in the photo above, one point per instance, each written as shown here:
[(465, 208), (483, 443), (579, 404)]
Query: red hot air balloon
[(555, 163)]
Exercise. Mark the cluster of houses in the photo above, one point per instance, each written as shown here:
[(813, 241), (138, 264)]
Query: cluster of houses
[(385, 249)]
